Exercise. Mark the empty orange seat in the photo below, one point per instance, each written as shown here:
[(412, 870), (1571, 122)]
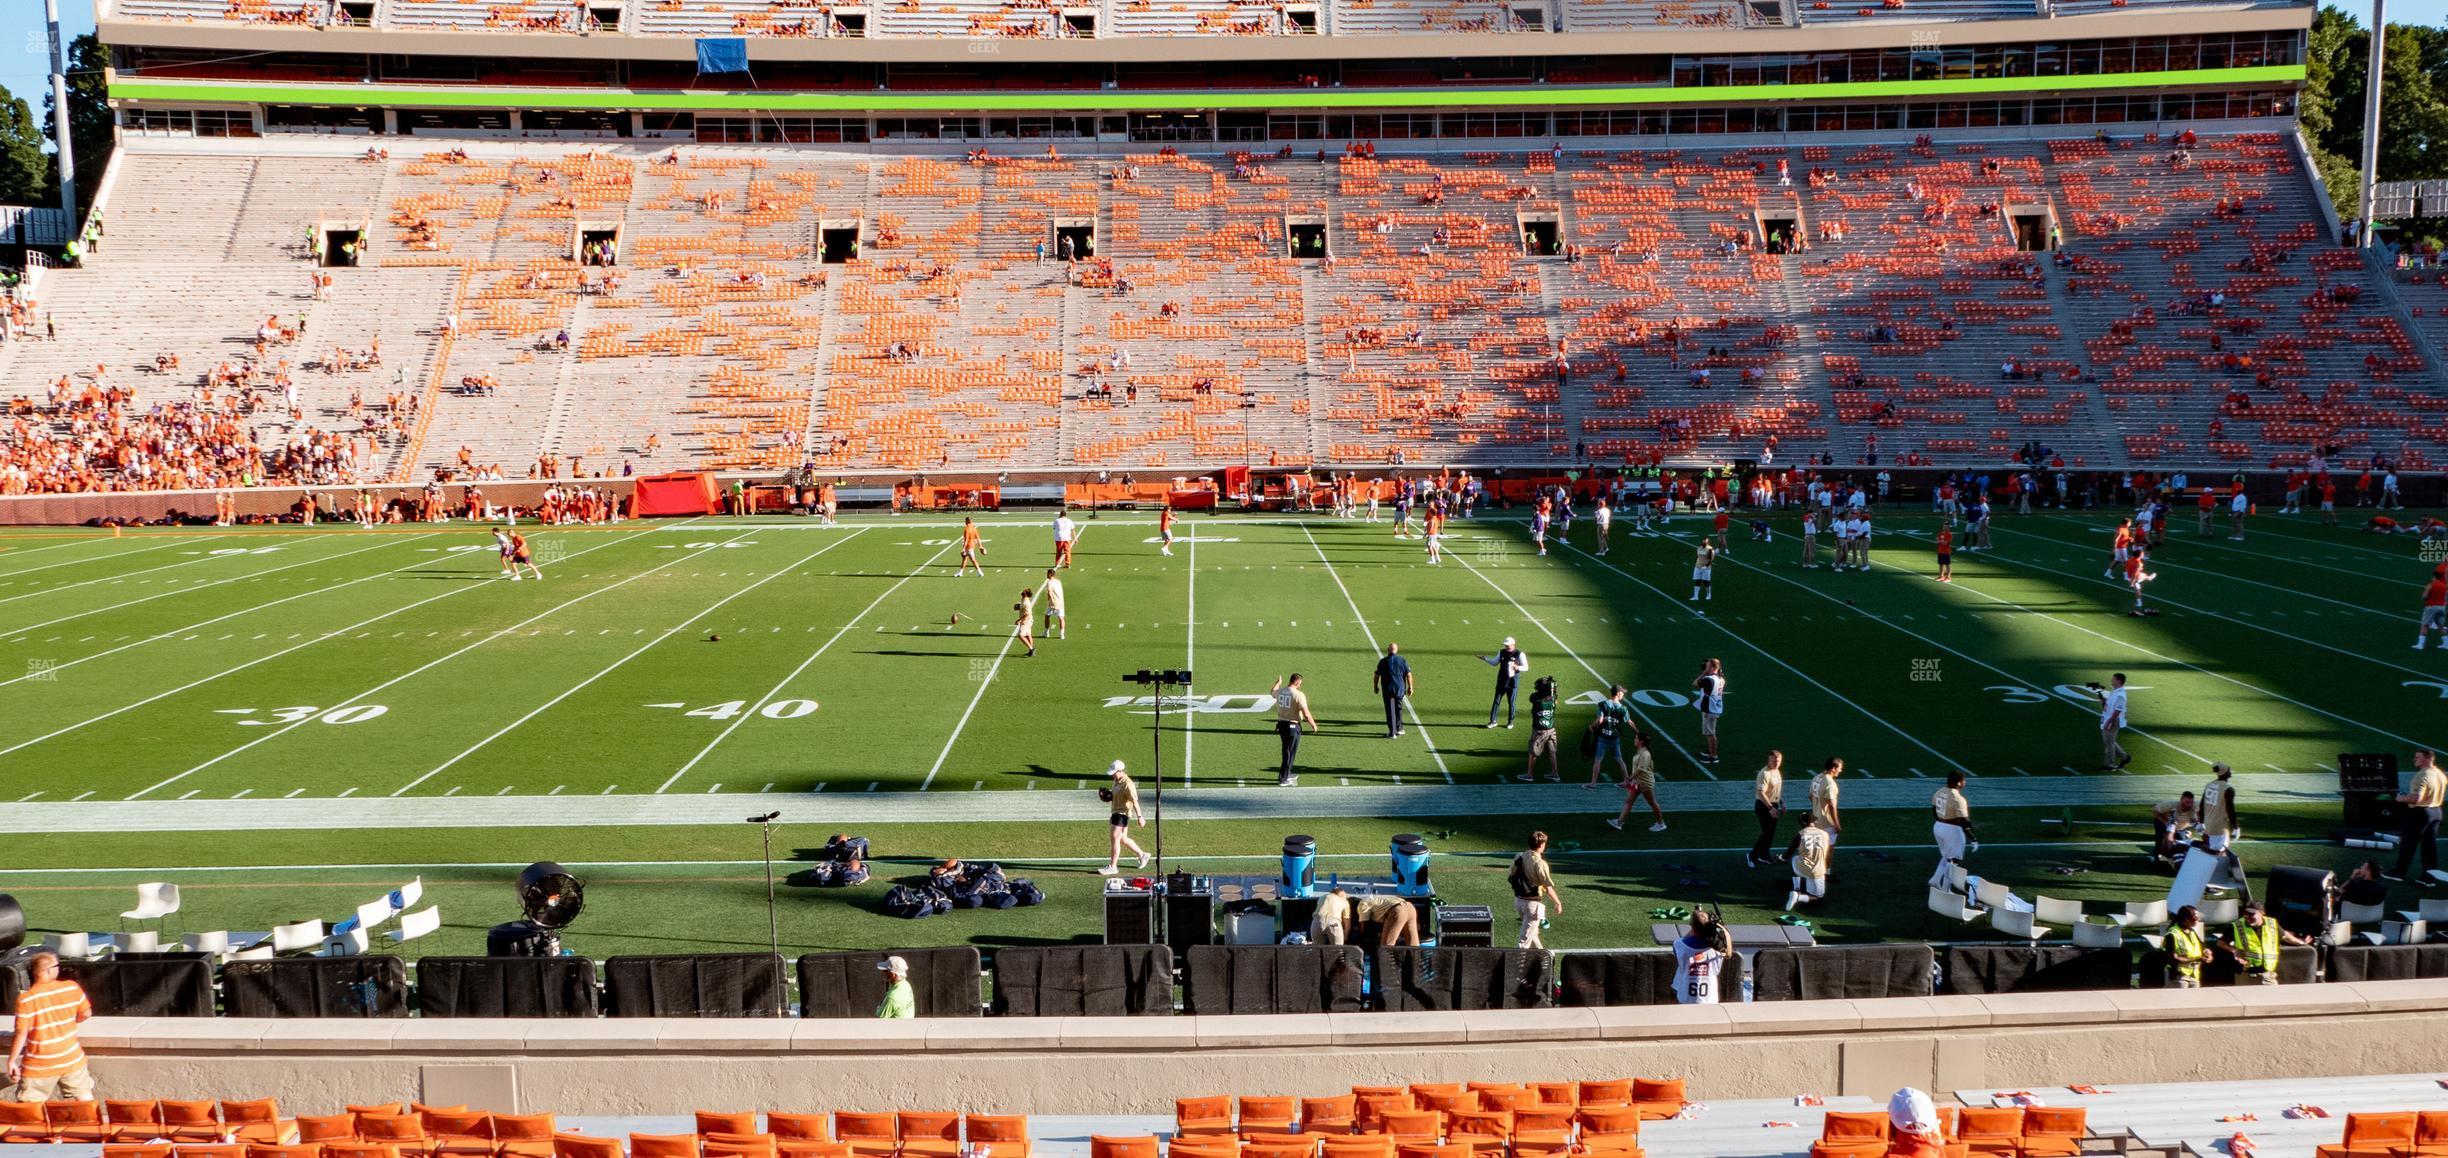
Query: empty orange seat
[(2054, 1131), (1557, 1093), (74, 1122), (137, 1150), (213, 1150), (404, 1132), (1412, 1125), (799, 1127), (1000, 1135), (1606, 1094), (295, 1150), (662, 1146), (1496, 1124), (344, 1150), (523, 1135), (257, 1121), (712, 1122), (1852, 1134), (1372, 1105), (720, 1145), (2371, 1136), (1128, 1146), (1368, 1146), (868, 1135), (1426, 1150), (1204, 1146), (190, 1121), (1206, 1114), (931, 1133), (1999, 1129), (813, 1148), (327, 1128), (1280, 1146), (585, 1146), (464, 1134), (1657, 1098), (1268, 1115), (1328, 1116)]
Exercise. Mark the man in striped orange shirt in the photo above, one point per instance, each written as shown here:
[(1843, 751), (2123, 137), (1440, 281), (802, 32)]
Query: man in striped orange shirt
[(45, 1063)]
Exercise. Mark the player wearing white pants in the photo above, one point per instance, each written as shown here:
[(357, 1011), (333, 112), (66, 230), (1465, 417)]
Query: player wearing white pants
[(2218, 809), (1952, 829)]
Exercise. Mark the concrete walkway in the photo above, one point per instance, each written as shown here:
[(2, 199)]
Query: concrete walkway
[(872, 808)]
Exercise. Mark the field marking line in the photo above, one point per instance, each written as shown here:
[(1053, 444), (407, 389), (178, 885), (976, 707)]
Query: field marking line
[(2157, 561), (217, 583), (2214, 544), (1190, 661), (1959, 585), (428, 665), (11, 555), (1374, 650), (2279, 530), (1884, 621), (317, 638), (1772, 657), (1603, 682), (234, 614), (2370, 659), (205, 558), (581, 685), (962, 724), (804, 664)]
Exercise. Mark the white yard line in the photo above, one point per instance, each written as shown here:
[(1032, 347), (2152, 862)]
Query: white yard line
[(1970, 659), (804, 664), (1374, 650), (2157, 562), (12, 556), (207, 558), (608, 669), (488, 637), (217, 583), (2276, 530), (318, 638), (2370, 659), (963, 723), (2169, 659), (1190, 661), (1772, 657), (1603, 682), (2216, 543)]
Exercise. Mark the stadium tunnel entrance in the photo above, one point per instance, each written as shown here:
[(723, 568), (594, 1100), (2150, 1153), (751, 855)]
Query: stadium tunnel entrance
[(837, 242), (1306, 236), (340, 245), (1542, 235), (1074, 239), (596, 244), (2031, 227)]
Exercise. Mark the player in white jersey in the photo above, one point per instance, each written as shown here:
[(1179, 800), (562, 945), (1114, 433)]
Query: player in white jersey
[(1702, 564)]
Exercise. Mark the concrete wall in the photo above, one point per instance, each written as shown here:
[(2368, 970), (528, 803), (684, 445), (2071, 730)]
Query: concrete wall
[(1116, 1065)]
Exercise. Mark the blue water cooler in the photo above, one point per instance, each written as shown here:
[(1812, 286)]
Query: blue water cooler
[(1410, 854), (1299, 868)]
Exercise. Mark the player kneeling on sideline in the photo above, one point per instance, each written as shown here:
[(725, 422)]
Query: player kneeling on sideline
[(1808, 854), (1761, 533)]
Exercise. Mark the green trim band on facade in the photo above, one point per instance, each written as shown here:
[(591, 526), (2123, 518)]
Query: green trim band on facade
[(418, 96)]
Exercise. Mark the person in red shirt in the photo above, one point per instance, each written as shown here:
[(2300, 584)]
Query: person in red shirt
[(1717, 531), (2434, 619), (2209, 508), (2328, 494), (2135, 577), (1164, 529), (1946, 554), (971, 547), (2119, 548)]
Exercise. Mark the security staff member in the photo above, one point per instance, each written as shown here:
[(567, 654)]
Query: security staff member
[(2257, 937), (2185, 947)]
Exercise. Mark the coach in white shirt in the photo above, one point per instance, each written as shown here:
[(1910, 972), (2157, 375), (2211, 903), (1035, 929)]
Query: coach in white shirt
[(2112, 721)]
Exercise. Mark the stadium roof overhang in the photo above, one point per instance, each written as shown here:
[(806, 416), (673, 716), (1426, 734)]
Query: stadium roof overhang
[(259, 38), (1541, 96)]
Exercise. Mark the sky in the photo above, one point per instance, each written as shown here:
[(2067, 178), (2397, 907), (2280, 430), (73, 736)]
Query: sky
[(24, 70)]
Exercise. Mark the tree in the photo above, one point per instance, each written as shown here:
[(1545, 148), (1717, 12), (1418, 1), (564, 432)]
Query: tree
[(2413, 111), (90, 133), (25, 170)]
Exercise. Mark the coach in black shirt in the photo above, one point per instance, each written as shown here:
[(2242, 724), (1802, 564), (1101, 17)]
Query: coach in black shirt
[(1393, 680)]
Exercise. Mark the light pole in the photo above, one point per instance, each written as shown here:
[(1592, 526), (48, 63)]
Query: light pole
[(1160, 680), (773, 920), (2366, 199)]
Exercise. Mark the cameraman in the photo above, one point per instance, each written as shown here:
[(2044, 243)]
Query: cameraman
[(1699, 955), (2112, 721)]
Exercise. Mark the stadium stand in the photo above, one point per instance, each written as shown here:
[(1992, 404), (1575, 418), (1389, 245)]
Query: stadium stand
[(1509, 305)]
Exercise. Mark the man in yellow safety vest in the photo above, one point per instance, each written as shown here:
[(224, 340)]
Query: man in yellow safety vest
[(2257, 938), (2185, 947)]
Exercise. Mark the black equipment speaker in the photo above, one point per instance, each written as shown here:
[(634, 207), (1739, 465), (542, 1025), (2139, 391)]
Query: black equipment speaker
[(12, 923), (2304, 900), (549, 895), (521, 939), (1466, 927), (1189, 913), (2367, 782), (1130, 916)]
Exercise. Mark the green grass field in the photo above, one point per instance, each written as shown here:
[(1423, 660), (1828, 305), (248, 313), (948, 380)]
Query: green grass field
[(381, 698)]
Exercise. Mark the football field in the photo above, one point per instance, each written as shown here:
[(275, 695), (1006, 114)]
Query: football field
[(177, 697)]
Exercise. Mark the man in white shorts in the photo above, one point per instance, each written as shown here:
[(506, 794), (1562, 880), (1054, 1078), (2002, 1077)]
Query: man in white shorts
[(1051, 595), (1708, 695), (1702, 564)]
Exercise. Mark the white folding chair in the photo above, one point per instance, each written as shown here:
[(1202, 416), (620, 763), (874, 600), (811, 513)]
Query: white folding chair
[(2434, 909), (1953, 904), (2057, 912), (1993, 894), (2142, 914), (292, 938), (216, 942), (147, 941), (68, 946), (2094, 935), (2405, 929), (406, 896), (2221, 910), (369, 914), (351, 943), (153, 902), (2354, 914), (258, 953), (416, 924), (2017, 924), (1956, 876)]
